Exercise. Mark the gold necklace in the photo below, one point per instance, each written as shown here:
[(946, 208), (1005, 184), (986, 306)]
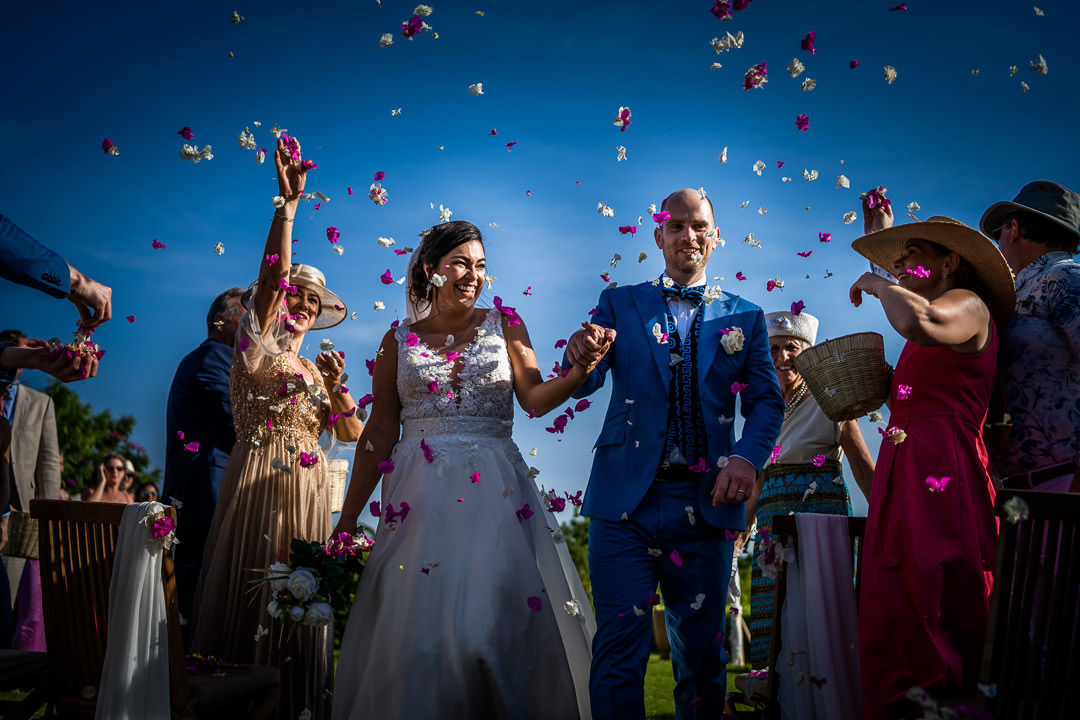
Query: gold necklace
[(789, 407)]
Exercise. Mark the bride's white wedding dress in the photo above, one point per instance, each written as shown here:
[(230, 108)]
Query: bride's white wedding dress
[(469, 606)]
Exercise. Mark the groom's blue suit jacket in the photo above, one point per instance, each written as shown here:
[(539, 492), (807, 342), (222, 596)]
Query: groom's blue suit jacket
[(631, 444)]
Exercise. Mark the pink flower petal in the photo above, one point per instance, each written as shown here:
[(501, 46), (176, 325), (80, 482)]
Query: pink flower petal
[(387, 278), (385, 467), (797, 307), (824, 236), (737, 387), (534, 603), (802, 122), (332, 234)]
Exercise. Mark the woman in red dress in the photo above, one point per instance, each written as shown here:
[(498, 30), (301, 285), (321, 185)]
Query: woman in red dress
[(928, 558)]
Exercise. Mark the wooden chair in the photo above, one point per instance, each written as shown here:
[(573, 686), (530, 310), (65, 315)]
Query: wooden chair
[(785, 529), (77, 547), (1032, 654)]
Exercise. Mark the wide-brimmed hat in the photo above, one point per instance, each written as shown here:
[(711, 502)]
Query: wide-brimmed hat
[(332, 308), (803, 326), (994, 279), (1043, 198)]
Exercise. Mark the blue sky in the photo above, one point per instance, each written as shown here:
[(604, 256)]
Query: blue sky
[(554, 75)]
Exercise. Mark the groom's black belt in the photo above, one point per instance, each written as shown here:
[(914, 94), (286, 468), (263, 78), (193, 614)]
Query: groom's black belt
[(676, 473)]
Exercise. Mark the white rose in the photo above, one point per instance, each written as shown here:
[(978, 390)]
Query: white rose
[(733, 341), (278, 575), (302, 584), (319, 614), (296, 613), (273, 608)]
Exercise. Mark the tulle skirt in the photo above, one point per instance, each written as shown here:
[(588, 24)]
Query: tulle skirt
[(470, 606)]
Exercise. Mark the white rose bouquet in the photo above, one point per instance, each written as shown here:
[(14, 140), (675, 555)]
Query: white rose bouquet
[(318, 581)]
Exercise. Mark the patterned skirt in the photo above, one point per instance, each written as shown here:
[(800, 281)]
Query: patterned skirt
[(784, 491)]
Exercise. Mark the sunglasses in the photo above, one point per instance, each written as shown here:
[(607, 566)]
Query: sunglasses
[(147, 494), (115, 468)]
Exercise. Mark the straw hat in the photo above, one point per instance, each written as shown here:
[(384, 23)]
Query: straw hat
[(803, 326), (332, 309), (994, 278), (1043, 198)]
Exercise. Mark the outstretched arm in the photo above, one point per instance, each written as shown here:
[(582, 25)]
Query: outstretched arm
[(380, 434), (276, 259), (534, 394)]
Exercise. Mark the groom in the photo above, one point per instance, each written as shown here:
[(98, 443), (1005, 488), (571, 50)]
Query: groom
[(668, 479)]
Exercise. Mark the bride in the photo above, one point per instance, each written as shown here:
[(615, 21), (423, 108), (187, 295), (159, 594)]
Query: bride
[(469, 606)]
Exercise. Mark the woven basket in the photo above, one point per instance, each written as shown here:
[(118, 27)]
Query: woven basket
[(22, 536), (337, 472), (848, 375)]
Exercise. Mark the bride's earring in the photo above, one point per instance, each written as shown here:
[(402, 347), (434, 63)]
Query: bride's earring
[(944, 274)]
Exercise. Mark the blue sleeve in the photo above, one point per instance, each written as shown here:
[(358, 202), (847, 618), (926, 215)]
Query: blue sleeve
[(26, 261), (762, 403), (604, 317)]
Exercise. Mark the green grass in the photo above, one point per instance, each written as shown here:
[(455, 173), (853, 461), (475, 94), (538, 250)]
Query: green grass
[(12, 696), (660, 685)]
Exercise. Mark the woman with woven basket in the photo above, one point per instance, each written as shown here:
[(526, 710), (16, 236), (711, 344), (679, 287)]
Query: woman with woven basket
[(928, 557), (804, 473)]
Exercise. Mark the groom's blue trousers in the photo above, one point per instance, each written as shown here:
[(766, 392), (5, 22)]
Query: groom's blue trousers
[(624, 568)]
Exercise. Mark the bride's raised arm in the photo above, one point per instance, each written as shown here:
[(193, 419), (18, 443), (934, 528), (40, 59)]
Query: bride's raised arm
[(381, 433), (276, 258), (534, 394)]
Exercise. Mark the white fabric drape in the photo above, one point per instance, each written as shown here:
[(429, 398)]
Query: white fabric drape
[(820, 630), (135, 678)]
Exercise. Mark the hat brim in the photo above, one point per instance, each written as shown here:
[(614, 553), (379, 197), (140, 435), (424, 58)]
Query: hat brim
[(995, 279), (995, 215), (332, 309)]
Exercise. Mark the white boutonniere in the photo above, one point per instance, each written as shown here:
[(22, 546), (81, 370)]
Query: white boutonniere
[(733, 340)]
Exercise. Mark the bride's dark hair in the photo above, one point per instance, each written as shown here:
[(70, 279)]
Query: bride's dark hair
[(438, 241)]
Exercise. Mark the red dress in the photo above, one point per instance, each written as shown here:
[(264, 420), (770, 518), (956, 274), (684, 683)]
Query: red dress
[(928, 558)]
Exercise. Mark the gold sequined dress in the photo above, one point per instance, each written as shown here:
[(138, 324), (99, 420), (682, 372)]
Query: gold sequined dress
[(267, 498)]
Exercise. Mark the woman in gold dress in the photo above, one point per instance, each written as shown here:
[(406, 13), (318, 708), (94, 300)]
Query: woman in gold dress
[(275, 486)]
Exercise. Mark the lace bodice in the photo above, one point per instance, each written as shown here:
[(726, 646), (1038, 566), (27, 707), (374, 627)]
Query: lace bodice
[(481, 387)]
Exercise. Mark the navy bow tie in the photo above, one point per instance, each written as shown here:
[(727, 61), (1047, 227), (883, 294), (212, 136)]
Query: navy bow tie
[(694, 295)]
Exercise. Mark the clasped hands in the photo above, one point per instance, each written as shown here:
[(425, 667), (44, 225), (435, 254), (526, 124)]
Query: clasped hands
[(588, 345)]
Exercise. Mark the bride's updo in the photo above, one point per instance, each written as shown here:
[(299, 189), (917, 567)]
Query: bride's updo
[(437, 242)]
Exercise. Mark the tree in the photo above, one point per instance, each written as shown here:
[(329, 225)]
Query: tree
[(576, 532), (85, 437)]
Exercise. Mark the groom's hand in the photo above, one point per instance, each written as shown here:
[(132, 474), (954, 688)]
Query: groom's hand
[(586, 346), (735, 482)]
